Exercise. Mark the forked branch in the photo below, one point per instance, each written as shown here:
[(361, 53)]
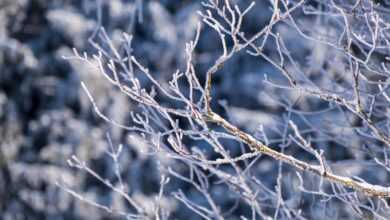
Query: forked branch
[(366, 188)]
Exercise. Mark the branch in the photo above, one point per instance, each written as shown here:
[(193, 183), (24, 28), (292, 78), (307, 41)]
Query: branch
[(366, 188)]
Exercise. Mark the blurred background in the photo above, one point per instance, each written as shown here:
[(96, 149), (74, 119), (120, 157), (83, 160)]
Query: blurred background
[(45, 117)]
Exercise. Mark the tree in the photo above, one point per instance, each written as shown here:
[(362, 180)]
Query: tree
[(335, 100)]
